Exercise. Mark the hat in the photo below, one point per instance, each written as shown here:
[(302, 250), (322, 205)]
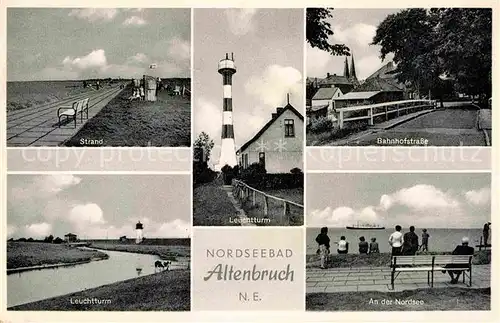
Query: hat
[(465, 240)]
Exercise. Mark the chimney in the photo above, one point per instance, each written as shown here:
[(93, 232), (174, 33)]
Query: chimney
[(327, 74), (226, 56), (232, 56), (274, 115), (279, 110)]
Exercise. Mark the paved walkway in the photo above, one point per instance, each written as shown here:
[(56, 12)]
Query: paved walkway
[(245, 221), (38, 126), (379, 279)]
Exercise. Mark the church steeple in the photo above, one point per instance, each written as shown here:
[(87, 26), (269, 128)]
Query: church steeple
[(353, 68), (346, 68)]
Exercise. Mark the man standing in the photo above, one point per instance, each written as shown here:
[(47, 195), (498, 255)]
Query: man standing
[(410, 245), (323, 246), (396, 241), (486, 233), (425, 240)]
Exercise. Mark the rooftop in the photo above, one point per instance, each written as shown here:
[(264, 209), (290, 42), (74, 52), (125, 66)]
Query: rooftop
[(358, 95), (325, 93)]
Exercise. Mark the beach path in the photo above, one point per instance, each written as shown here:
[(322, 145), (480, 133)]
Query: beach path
[(38, 126), (362, 279)]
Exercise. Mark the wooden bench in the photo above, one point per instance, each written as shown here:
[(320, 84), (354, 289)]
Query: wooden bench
[(430, 264), (71, 111)]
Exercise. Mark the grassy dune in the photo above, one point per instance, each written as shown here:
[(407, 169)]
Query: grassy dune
[(379, 260), (25, 254), (164, 291), (166, 122), (439, 299)]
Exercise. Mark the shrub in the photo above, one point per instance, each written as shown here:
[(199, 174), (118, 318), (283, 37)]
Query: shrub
[(296, 170), (321, 124), (58, 240)]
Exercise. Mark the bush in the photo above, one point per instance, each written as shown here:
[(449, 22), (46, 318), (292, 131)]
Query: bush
[(296, 170), (321, 124), (58, 240)]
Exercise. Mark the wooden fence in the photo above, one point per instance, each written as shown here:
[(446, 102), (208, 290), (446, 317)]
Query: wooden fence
[(245, 194), (382, 109)]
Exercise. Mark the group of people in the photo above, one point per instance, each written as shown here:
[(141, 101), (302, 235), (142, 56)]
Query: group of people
[(407, 244)]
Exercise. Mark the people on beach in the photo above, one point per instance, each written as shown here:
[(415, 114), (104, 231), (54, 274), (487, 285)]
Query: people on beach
[(363, 245), (425, 240), (396, 241), (486, 233), (323, 246), (462, 249), (342, 246), (374, 246), (410, 242), (97, 85)]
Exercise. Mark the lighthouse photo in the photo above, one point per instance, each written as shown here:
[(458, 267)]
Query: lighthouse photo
[(248, 131)]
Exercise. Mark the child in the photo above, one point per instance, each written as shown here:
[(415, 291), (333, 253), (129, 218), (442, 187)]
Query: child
[(425, 240), (374, 246), (323, 246), (343, 246)]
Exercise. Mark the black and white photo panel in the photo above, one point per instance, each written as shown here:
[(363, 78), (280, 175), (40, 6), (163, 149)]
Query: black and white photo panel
[(248, 117), (98, 77), (98, 243), (399, 77)]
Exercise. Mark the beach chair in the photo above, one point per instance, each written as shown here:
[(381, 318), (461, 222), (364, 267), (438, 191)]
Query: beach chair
[(177, 90)]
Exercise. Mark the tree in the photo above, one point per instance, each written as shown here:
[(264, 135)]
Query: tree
[(318, 31), (58, 240), (49, 239), (428, 44), (203, 146)]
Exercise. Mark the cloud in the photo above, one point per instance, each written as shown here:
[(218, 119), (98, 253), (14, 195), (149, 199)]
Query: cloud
[(317, 62), (38, 230), (240, 21), (419, 197), (479, 197), (179, 49), (11, 230), (174, 229), (94, 14), (95, 59), (83, 215), (137, 58), (343, 216), (274, 83), (360, 33), (134, 21)]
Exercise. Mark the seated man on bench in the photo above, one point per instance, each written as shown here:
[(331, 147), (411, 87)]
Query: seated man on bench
[(462, 249)]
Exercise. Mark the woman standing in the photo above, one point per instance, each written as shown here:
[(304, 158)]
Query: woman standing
[(323, 246)]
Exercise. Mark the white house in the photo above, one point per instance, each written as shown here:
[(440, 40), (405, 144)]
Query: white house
[(322, 101), (278, 145)]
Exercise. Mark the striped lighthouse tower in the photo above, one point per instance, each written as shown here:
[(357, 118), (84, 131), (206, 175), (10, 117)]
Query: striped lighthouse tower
[(227, 152)]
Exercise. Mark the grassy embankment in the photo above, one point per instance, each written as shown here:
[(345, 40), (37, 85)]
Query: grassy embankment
[(165, 252), (482, 257), (164, 291), (27, 254), (212, 206), (275, 207), (439, 299), (166, 122)]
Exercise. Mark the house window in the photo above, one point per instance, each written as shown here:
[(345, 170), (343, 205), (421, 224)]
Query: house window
[(262, 159), (289, 128)]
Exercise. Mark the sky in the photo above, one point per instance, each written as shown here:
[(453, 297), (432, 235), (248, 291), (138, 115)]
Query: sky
[(268, 52), (455, 200), (73, 44), (98, 206), (355, 28)]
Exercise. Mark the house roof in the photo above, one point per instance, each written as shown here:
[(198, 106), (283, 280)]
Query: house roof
[(384, 71), (358, 95), (325, 93), (335, 79), (70, 234), (379, 84), (269, 123)]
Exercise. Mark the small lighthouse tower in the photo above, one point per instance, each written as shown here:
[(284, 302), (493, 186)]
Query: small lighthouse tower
[(139, 227), (227, 152)]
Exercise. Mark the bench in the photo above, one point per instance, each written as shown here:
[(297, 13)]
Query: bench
[(430, 264), (71, 111)]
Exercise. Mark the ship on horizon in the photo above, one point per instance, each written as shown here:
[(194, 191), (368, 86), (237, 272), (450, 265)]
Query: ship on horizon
[(365, 226)]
